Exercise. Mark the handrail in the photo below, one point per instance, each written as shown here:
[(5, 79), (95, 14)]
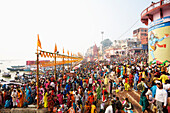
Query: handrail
[(155, 5)]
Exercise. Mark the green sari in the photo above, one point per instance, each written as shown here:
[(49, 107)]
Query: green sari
[(98, 92), (143, 102)]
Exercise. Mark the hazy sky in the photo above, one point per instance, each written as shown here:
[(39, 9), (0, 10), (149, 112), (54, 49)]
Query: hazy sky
[(72, 24)]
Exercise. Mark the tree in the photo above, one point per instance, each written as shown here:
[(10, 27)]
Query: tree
[(106, 43)]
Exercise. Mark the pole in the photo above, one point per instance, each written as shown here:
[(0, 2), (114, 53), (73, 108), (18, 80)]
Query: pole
[(68, 64), (63, 65), (63, 61), (71, 61), (55, 67), (37, 79), (68, 61)]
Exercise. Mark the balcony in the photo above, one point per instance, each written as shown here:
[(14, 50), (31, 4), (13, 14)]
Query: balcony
[(154, 7)]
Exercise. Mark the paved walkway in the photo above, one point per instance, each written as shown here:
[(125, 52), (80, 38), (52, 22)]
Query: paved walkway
[(23, 110)]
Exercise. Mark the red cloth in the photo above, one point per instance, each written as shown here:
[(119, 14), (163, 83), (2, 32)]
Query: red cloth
[(130, 76), (87, 81), (163, 45), (168, 109)]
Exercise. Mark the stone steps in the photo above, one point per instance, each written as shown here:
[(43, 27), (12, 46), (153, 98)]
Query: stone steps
[(133, 98), (23, 110)]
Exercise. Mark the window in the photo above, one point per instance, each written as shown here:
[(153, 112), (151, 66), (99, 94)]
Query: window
[(144, 34)]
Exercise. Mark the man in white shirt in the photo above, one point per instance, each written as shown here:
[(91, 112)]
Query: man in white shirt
[(161, 97), (14, 97), (110, 108), (77, 97), (166, 86), (90, 82), (149, 95), (52, 84)]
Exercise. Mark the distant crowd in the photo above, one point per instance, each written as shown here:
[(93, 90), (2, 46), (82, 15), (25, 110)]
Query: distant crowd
[(94, 88)]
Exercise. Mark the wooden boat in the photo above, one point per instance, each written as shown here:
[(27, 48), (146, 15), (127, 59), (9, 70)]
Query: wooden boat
[(6, 75), (16, 68)]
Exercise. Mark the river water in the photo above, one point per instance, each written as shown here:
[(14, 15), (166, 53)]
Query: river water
[(4, 64)]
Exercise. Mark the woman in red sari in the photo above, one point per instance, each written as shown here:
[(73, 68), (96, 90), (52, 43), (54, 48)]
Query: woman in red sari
[(130, 79), (50, 103)]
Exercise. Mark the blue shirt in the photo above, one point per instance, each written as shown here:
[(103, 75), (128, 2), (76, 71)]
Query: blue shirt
[(153, 89), (114, 84), (136, 78), (67, 88), (101, 73)]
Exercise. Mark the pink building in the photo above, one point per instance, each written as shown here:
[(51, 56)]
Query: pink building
[(95, 51)]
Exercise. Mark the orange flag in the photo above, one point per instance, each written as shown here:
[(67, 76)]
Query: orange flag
[(38, 42), (55, 49), (63, 50)]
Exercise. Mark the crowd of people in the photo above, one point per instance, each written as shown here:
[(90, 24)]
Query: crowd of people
[(93, 88)]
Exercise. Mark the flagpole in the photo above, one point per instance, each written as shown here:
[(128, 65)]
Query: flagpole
[(68, 59), (37, 79), (71, 61), (56, 53), (55, 67), (63, 64)]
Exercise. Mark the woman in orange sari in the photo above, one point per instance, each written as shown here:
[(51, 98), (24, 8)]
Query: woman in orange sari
[(20, 98), (72, 98)]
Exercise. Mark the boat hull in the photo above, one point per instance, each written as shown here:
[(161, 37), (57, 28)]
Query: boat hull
[(6, 75), (11, 69)]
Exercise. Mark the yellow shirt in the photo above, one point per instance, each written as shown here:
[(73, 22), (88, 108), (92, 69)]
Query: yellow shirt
[(164, 78), (93, 108), (106, 81), (143, 75)]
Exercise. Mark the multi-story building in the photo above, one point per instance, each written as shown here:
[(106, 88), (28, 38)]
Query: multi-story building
[(142, 36), (123, 47)]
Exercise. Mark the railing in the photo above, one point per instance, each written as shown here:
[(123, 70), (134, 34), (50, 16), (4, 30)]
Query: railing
[(155, 5)]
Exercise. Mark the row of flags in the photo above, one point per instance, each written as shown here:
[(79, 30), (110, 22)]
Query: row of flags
[(55, 49), (52, 63)]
